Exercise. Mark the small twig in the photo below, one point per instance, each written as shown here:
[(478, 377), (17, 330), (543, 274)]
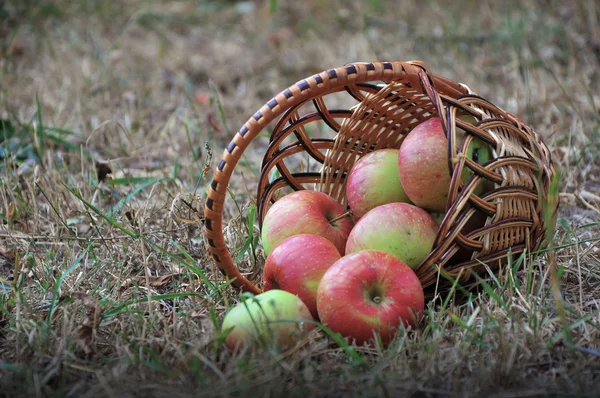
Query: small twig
[(581, 196), (586, 203)]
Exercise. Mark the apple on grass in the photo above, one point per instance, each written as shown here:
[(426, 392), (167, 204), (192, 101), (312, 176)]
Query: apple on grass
[(297, 264), (401, 229), (369, 292), (274, 318), (373, 181), (423, 164), (306, 212)]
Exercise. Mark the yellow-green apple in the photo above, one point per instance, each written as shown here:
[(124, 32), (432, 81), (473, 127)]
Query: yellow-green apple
[(478, 151), (305, 212), (271, 319), (297, 264), (373, 181), (438, 217), (401, 229), (369, 292), (423, 164)]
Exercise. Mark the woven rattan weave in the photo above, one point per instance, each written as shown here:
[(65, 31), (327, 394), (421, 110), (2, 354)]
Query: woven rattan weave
[(390, 99)]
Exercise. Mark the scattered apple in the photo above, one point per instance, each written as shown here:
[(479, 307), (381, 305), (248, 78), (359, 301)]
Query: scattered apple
[(401, 229), (255, 321), (369, 292), (297, 264), (373, 181), (306, 212), (423, 164)]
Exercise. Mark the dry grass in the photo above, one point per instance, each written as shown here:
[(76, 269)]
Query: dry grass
[(113, 291)]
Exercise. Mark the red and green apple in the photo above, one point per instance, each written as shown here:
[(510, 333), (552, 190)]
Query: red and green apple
[(423, 164), (369, 292), (306, 212), (401, 229), (297, 265), (373, 181)]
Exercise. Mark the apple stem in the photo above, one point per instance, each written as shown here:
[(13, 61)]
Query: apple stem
[(346, 214)]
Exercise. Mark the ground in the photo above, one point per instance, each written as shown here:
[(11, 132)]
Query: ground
[(114, 116)]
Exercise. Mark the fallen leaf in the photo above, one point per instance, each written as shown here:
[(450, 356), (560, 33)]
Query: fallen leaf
[(281, 36), (213, 123), (87, 330), (12, 212), (7, 264), (102, 171)]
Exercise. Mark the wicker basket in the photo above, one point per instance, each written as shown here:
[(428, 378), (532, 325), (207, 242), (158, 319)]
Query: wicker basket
[(390, 98)]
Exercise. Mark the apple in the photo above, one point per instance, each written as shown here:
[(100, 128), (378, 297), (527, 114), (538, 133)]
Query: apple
[(369, 292), (255, 321), (373, 181), (438, 217), (306, 212), (297, 264), (401, 229), (478, 151), (423, 164)]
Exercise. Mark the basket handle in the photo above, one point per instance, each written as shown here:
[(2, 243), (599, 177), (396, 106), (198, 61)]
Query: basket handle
[(306, 89)]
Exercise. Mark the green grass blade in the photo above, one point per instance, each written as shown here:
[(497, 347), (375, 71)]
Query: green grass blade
[(190, 266), (11, 367), (488, 289), (110, 220), (133, 193), (60, 281), (137, 180), (54, 209), (339, 340), (40, 129), (272, 6), (123, 307)]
